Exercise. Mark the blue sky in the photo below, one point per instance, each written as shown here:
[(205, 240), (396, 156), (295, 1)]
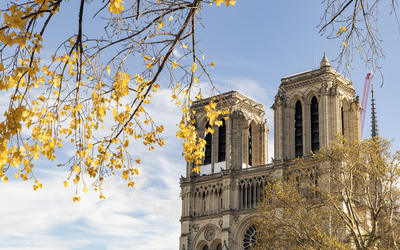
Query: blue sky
[(254, 44)]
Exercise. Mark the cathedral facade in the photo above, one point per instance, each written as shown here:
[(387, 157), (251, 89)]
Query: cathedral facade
[(310, 108)]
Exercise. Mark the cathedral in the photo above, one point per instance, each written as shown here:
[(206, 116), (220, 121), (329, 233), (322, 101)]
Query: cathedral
[(310, 108)]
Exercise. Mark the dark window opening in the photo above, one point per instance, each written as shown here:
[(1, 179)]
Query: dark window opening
[(342, 122), (298, 129), (222, 142), (314, 125), (250, 147), (207, 149), (219, 247), (205, 247)]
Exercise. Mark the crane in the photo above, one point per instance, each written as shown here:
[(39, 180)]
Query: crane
[(364, 101)]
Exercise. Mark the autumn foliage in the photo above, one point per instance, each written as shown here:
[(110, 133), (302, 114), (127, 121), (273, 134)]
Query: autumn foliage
[(84, 93), (346, 197)]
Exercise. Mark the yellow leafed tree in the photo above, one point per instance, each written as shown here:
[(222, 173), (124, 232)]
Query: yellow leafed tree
[(346, 197), (67, 97)]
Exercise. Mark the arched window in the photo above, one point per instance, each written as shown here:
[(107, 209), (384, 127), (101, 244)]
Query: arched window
[(298, 129), (249, 240), (219, 247), (314, 125), (250, 147), (205, 247), (222, 141), (342, 121), (207, 149)]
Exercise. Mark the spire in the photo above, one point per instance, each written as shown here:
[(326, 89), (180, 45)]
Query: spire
[(374, 125), (200, 96), (324, 61)]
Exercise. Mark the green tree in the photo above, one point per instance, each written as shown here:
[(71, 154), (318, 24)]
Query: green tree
[(346, 197)]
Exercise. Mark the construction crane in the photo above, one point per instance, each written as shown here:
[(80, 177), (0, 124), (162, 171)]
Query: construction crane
[(364, 101)]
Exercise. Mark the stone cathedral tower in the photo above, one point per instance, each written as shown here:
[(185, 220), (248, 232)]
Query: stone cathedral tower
[(218, 204)]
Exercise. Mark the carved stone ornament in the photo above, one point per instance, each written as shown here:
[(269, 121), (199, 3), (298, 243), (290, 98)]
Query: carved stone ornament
[(209, 234), (196, 227), (220, 223), (236, 219)]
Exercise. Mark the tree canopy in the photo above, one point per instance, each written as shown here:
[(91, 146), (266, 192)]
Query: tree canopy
[(346, 197)]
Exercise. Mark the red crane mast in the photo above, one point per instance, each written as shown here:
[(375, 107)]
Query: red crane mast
[(364, 101)]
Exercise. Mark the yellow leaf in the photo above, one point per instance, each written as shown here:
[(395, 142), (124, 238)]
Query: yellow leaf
[(35, 187), (16, 175), (218, 2), (76, 198), (77, 169), (212, 64), (102, 196), (138, 161), (174, 64), (65, 183), (131, 183), (345, 45), (24, 177), (160, 24), (4, 179), (108, 70), (85, 190), (196, 80), (171, 18)]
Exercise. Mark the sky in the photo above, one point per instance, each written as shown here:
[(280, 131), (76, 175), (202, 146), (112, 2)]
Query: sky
[(253, 44)]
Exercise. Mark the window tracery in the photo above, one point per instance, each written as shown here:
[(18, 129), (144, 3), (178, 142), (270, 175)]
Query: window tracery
[(250, 190), (298, 128), (249, 239), (314, 125), (208, 148), (222, 142)]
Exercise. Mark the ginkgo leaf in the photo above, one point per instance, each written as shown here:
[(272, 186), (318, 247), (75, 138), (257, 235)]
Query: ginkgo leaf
[(171, 18), (4, 179), (174, 64), (138, 160), (85, 190), (76, 198), (218, 2), (160, 24), (131, 183)]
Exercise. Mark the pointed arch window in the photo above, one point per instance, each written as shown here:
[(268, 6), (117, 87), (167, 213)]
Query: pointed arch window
[(222, 142), (298, 129), (250, 147), (342, 121), (208, 148), (314, 125)]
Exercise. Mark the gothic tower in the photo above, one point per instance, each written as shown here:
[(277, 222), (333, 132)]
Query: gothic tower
[(310, 108)]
